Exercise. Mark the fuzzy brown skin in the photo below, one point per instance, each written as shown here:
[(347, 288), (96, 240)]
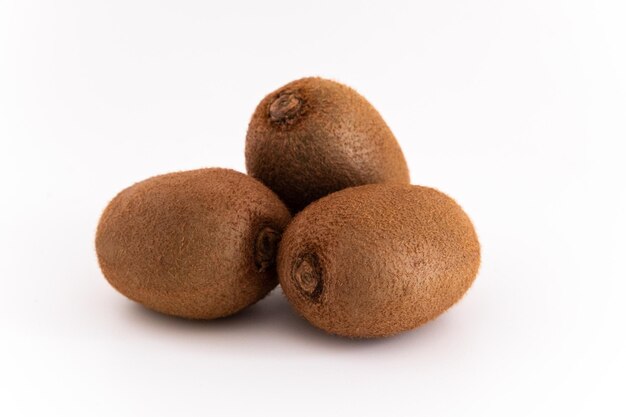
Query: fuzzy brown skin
[(376, 260), (197, 244), (313, 137)]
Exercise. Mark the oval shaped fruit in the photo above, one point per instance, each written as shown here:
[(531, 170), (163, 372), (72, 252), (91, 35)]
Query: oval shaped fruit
[(376, 260), (197, 244), (313, 137)]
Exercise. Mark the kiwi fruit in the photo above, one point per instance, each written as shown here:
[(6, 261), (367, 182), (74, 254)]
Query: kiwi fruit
[(196, 244), (314, 136), (376, 260)]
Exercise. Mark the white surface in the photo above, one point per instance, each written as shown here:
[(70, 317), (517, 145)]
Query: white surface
[(516, 109)]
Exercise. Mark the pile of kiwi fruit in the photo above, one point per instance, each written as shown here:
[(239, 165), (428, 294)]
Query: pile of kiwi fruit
[(326, 210)]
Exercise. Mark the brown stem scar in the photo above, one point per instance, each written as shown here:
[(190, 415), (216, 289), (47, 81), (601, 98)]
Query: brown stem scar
[(265, 248), (285, 107), (307, 276)]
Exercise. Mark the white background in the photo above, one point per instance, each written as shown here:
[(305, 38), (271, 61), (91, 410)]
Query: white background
[(516, 109)]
